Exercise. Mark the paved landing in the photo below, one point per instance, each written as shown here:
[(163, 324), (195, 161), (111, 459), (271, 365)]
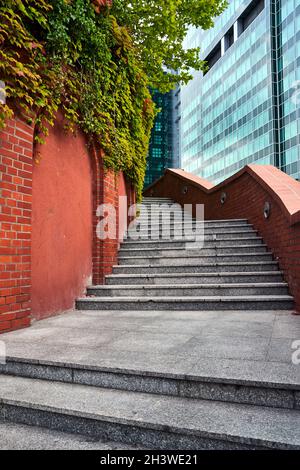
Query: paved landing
[(246, 345)]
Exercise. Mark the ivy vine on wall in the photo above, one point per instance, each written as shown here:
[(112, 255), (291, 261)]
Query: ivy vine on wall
[(73, 55)]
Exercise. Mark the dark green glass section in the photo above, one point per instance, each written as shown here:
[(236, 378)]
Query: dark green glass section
[(160, 154)]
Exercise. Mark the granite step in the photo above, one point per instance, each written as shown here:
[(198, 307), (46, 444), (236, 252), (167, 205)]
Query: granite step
[(22, 437), (143, 419), (209, 242), (144, 222), (188, 303), (194, 278), (188, 258), (150, 199), (147, 214), (283, 391), (188, 235), (208, 222), (159, 202), (189, 290), (193, 227), (197, 268), (183, 251)]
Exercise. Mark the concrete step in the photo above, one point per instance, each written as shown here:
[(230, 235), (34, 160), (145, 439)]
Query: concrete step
[(208, 223), (24, 437), (182, 251), (189, 227), (189, 290), (195, 303), (229, 387), (187, 235), (161, 205), (150, 199), (190, 259), (147, 212), (142, 419), (193, 227), (197, 268), (208, 243), (159, 202), (189, 222), (200, 278)]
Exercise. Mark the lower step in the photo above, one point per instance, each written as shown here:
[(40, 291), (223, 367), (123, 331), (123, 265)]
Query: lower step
[(23, 437), (142, 419), (189, 290), (279, 302), (258, 391)]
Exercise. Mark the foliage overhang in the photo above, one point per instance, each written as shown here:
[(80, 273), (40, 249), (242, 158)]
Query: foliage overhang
[(95, 60)]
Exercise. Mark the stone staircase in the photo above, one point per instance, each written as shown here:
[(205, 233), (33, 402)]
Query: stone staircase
[(156, 410), (222, 404), (234, 270)]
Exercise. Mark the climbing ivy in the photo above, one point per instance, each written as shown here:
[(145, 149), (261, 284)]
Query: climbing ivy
[(73, 55), (95, 60)]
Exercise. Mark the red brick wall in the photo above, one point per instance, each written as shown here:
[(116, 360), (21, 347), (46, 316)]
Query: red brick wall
[(247, 192), (15, 224), (16, 167)]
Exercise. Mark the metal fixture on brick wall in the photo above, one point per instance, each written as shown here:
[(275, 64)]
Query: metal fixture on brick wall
[(267, 210), (223, 198), (184, 189)]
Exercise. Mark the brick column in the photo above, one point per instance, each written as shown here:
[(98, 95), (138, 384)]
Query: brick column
[(105, 191), (16, 143), (109, 247)]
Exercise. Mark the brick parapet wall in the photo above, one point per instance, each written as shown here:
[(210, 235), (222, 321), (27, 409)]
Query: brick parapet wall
[(246, 195)]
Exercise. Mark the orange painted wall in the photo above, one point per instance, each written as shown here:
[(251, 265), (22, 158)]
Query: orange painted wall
[(61, 223)]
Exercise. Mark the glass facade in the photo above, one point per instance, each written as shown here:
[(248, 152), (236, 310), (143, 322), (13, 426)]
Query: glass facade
[(245, 108), (165, 138)]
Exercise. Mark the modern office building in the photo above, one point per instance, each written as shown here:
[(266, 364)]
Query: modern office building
[(246, 107), (164, 147)]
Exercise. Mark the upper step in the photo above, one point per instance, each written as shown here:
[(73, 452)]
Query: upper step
[(189, 290), (142, 419), (190, 258), (182, 251), (190, 236), (214, 267), (194, 278), (191, 227), (159, 199), (209, 242)]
